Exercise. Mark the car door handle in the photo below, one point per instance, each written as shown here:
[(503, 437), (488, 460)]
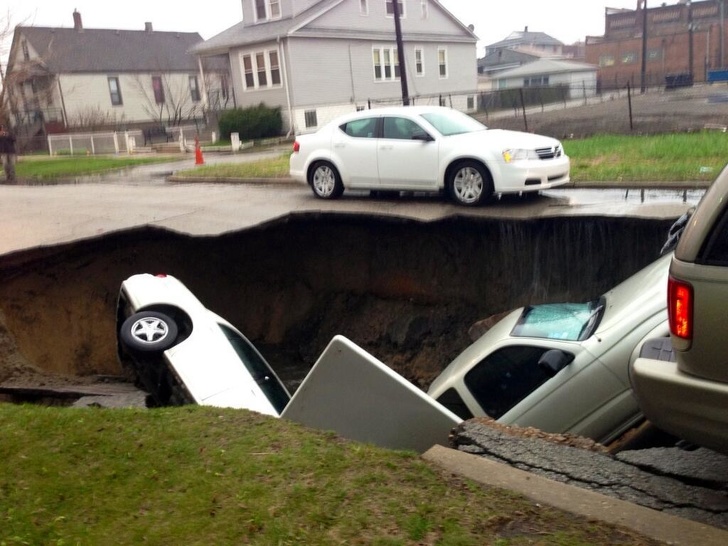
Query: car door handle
[(339, 145), (386, 147)]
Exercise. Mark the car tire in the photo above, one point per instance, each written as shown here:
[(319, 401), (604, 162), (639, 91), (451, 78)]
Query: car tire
[(469, 183), (148, 332), (325, 181)]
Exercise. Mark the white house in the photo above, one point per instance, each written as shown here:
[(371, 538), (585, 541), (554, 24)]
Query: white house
[(63, 78), (319, 58), (580, 78)]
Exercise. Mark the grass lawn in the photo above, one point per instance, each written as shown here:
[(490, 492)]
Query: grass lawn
[(609, 158), (50, 168), (197, 475)]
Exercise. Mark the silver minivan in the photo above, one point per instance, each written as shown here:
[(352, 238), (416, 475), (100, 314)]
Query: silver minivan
[(686, 392)]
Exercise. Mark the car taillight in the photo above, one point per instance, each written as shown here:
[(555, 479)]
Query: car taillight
[(680, 308), (296, 147)]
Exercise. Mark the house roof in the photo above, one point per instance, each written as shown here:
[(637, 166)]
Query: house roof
[(242, 34), (506, 57), (546, 66), (104, 50), (525, 38)]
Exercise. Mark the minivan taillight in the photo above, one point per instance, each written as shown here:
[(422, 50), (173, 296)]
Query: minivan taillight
[(680, 308), (296, 147)]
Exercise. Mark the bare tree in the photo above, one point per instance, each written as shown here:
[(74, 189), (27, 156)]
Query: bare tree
[(172, 103)]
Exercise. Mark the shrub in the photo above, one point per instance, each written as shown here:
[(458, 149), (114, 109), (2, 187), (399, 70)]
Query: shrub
[(251, 123)]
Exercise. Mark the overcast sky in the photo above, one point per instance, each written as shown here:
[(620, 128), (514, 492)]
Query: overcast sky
[(565, 20)]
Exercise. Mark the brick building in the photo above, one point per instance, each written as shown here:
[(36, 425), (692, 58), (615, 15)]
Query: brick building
[(683, 38)]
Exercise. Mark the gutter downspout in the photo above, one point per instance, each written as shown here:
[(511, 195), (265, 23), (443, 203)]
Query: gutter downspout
[(284, 63)]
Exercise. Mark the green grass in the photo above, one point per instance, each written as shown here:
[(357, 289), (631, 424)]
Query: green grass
[(267, 168), (49, 168), (670, 157), (194, 475)]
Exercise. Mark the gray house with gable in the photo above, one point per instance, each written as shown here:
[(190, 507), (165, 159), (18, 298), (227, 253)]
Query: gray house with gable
[(316, 59)]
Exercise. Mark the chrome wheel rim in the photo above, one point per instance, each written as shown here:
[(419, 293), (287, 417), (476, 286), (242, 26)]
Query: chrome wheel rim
[(324, 181), (468, 185), (149, 330)]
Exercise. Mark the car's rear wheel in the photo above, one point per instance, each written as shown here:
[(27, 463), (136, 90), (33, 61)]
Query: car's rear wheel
[(325, 181), (148, 332), (469, 183)]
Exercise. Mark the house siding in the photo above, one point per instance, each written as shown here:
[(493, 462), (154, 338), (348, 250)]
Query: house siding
[(86, 95)]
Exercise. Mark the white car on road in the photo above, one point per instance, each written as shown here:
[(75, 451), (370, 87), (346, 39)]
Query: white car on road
[(182, 352), (562, 367), (425, 149)]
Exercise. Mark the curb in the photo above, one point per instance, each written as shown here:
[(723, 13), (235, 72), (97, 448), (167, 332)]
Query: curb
[(582, 502), (222, 180)]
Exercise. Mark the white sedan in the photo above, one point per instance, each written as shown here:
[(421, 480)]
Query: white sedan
[(426, 149), (183, 353), (562, 367)]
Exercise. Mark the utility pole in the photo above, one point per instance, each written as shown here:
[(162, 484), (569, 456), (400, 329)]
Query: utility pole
[(722, 24), (400, 53), (643, 70), (690, 39)]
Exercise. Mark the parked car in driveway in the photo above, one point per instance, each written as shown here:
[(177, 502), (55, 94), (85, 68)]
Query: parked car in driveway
[(425, 149), (562, 367), (683, 388), (182, 352)]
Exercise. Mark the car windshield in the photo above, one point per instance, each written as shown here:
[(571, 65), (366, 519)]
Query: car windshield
[(450, 123), (566, 321)]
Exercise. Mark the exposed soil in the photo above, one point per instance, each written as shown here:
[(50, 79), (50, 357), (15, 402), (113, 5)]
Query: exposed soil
[(408, 293)]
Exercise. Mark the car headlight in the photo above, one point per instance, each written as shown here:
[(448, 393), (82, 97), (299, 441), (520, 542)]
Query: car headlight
[(518, 154)]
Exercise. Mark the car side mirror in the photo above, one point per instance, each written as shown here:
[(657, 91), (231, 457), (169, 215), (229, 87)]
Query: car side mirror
[(422, 135), (553, 361)]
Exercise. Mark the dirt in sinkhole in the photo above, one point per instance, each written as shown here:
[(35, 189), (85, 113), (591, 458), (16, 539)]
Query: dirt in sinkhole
[(407, 293)]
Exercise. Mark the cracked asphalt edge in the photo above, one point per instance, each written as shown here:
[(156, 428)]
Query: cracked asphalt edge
[(541, 490)]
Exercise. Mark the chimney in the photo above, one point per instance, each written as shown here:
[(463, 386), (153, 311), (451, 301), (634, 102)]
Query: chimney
[(148, 27), (525, 29), (77, 24)]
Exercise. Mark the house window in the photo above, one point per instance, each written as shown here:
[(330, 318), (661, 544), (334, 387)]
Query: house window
[(267, 10), (386, 63), (364, 7), (629, 58), (310, 118), (536, 81), (224, 86), (248, 71), (471, 103), (389, 4), (275, 69), (115, 91), (424, 8), (158, 89), (442, 62), (419, 62), (26, 51), (194, 89), (606, 60), (261, 69), (654, 54)]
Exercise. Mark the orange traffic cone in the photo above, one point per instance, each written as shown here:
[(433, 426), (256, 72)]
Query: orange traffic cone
[(198, 153)]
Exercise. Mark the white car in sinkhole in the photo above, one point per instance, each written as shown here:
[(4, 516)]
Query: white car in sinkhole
[(181, 352), (562, 367)]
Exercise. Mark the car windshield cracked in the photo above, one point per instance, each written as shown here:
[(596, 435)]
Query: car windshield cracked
[(566, 321)]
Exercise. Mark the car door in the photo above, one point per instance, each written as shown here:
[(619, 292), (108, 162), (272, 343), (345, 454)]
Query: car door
[(407, 155), (354, 145)]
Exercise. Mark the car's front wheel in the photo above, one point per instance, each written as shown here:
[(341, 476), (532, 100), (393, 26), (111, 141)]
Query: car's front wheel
[(148, 332), (469, 183), (325, 181)]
